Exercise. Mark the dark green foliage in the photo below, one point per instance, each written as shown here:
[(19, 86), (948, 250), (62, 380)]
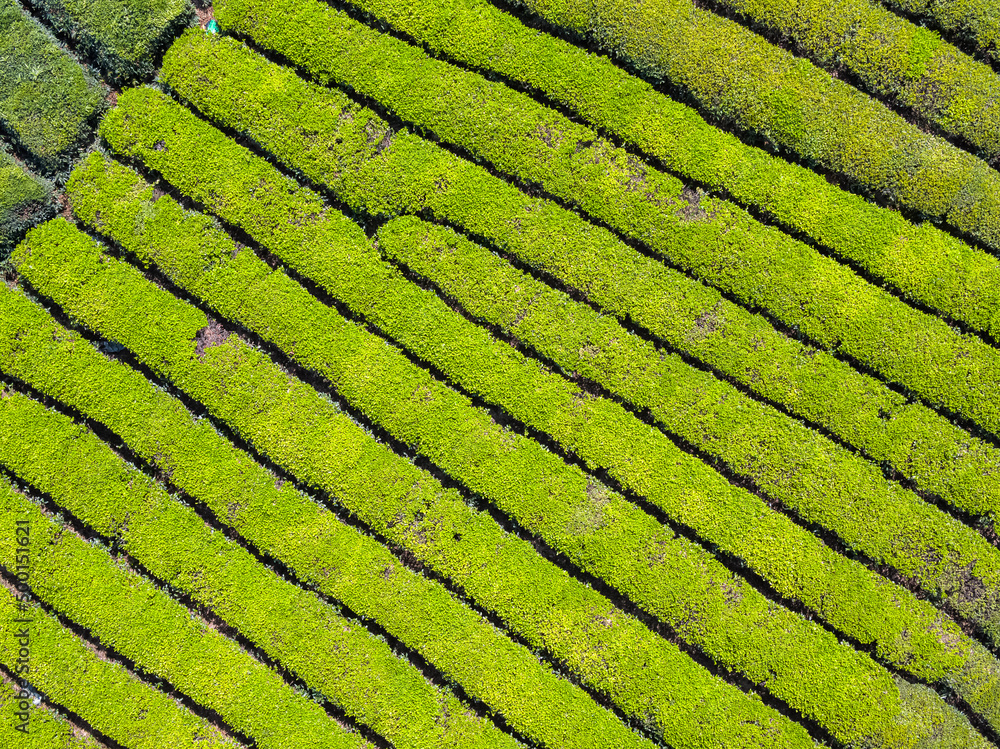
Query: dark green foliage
[(124, 37), (924, 262), (791, 103), (974, 21), (71, 673), (48, 102), (25, 200), (909, 65)]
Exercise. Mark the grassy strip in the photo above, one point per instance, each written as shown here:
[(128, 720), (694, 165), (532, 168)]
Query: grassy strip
[(909, 65), (167, 129), (910, 634), (350, 667), (131, 616), (333, 557), (47, 729), (47, 101), (714, 239), (542, 493), (792, 104), (925, 263), (113, 701), (25, 200), (298, 429), (976, 22), (373, 169), (124, 37)]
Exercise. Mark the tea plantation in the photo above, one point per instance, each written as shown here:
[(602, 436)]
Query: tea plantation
[(570, 374)]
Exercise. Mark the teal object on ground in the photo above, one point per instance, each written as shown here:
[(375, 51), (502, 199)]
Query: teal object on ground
[(213, 27)]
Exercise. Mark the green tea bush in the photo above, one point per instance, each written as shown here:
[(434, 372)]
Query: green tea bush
[(112, 700), (382, 172), (353, 669), (48, 102), (723, 423), (124, 37), (47, 728), (289, 422), (789, 102), (131, 617), (25, 200), (713, 239), (923, 262), (909, 65), (976, 22), (520, 478), (544, 495), (323, 552)]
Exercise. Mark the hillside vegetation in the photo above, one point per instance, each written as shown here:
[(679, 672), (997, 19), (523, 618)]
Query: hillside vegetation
[(558, 374)]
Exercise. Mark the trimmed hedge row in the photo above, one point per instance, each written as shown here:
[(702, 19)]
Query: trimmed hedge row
[(908, 64), (162, 133), (790, 103), (48, 102), (649, 677), (114, 200), (47, 729), (715, 240), (25, 200), (974, 21), (350, 667), (910, 634), (324, 553), (131, 616), (385, 173), (124, 37), (112, 700), (595, 528), (925, 263)]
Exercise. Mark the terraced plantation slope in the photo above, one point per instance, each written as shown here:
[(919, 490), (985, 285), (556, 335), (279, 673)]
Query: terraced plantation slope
[(273, 614), (357, 165), (333, 558), (322, 447), (714, 240), (141, 623), (171, 141), (792, 105), (506, 464), (920, 261), (48, 102), (464, 373)]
